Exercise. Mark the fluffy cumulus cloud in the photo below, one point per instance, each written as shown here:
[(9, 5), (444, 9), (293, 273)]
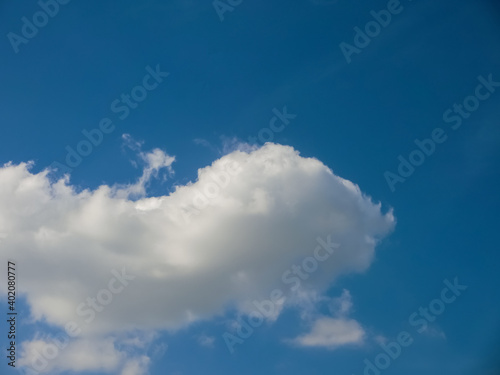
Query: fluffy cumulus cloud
[(112, 260)]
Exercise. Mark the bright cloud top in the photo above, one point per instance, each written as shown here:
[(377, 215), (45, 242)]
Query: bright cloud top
[(216, 243)]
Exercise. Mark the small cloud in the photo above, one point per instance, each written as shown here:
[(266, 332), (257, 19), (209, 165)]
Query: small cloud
[(381, 340), (434, 332), (207, 341), (341, 306), (136, 366), (202, 142), (153, 161), (332, 333), (159, 350), (131, 143)]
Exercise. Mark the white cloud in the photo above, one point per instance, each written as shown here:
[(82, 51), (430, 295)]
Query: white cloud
[(332, 333), (44, 355), (153, 161), (54, 354), (233, 251), (341, 305), (136, 366)]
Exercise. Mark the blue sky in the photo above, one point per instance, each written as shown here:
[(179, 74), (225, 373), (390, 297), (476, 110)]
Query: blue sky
[(227, 80)]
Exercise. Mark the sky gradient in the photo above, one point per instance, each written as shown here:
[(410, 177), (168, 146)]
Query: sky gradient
[(176, 86)]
